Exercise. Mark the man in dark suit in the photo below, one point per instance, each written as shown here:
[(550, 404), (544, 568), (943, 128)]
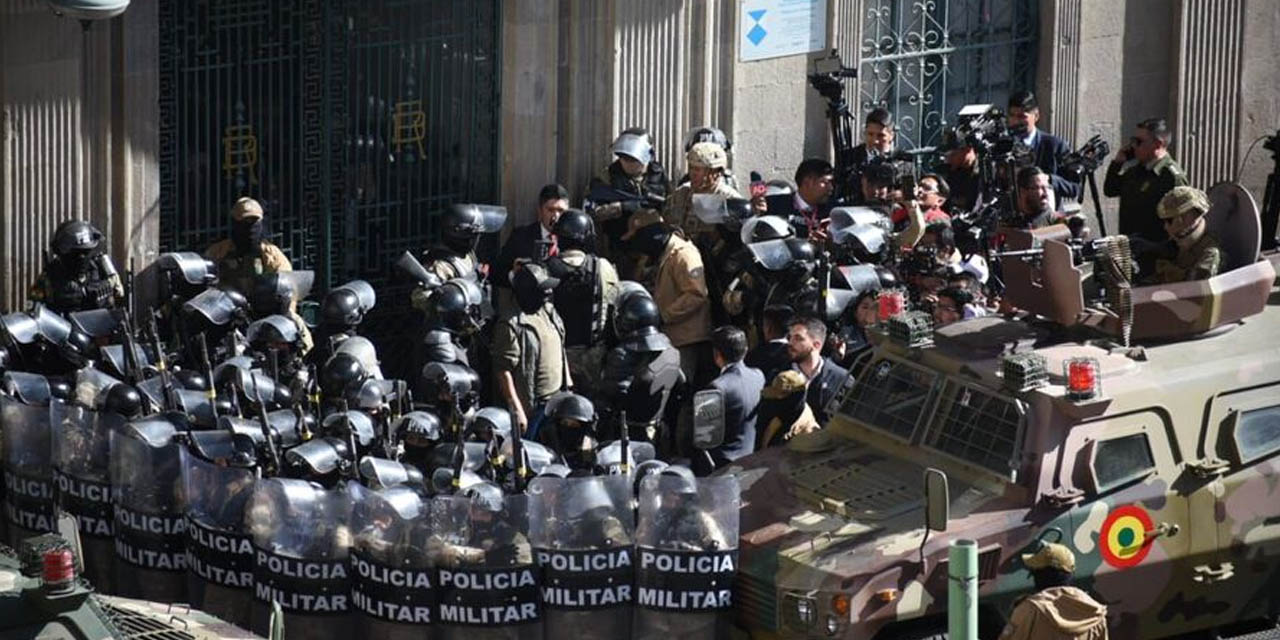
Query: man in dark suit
[(522, 244), (771, 356), (805, 338), (741, 386), (876, 147), (808, 206), (1024, 113)]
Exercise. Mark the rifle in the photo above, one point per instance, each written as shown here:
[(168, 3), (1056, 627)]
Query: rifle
[(207, 367), (1081, 250), (133, 367), (272, 451), (162, 365), (625, 443), (518, 463)]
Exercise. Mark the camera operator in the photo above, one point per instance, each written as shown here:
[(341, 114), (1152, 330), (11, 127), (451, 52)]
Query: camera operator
[(961, 174), (1024, 114), (1141, 173)]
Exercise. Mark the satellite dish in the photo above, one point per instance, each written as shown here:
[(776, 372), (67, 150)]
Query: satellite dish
[(1233, 219), (89, 9)]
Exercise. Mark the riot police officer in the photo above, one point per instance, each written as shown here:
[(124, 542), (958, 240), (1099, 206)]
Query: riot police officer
[(80, 275), (341, 312), (247, 254), (461, 227), (570, 429), (453, 318), (640, 374), (634, 180), (585, 297)]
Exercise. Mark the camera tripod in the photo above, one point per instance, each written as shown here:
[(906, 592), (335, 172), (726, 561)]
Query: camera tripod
[(1092, 181), (1271, 198)]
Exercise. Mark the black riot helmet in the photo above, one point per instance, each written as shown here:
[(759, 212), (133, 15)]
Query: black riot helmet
[(462, 224), (575, 230), (765, 228), (445, 383), (76, 239), (707, 134), (346, 305), (739, 211), (485, 496), (123, 399), (571, 406), (804, 259), (341, 374), (533, 286), (455, 307), (638, 315)]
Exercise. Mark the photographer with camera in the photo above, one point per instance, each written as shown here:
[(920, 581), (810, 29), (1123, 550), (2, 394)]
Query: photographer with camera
[(960, 171), (1046, 149), (1141, 173)]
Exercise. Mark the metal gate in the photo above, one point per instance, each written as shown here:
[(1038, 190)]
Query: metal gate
[(925, 59), (352, 121)]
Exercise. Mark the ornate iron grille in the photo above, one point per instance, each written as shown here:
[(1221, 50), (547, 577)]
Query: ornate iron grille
[(924, 59), (353, 122)]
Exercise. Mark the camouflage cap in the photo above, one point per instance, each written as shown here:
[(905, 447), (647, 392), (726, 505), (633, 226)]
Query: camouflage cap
[(707, 154), (246, 209), (1051, 555), (640, 220), (1182, 200)]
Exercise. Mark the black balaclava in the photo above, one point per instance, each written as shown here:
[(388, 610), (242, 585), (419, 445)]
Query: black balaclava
[(530, 295), (651, 240), (247, 236)]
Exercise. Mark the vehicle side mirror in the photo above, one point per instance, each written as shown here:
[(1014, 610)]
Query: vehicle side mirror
[(708, 419), (937, 500)]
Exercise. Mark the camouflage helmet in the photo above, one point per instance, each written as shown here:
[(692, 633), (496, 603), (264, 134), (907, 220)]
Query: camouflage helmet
[(1182, 200), (707, 154), (1050, 556)]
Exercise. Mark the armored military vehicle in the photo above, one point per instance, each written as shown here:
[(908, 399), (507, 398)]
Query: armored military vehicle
[(43, 595), (1137, 425)]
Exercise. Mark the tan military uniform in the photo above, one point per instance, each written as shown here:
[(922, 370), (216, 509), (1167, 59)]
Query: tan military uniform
[(241, 272), (1199, 261), (678, 209), (530, 346), (1057, 613), (680, 290)]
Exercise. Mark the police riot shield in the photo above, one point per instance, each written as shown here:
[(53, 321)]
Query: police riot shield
[(687, 554), (149, 525), (487, 581), (218, 478), (301, 542), (82, 482), (392, 580), (28, 469), (582, 531)]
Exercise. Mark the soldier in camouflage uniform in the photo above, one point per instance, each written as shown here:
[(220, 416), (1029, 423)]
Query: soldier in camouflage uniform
[(1140, 174), (1199, 257), (707, 165), (246, 255)]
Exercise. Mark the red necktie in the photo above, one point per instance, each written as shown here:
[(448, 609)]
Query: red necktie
[(555, 247)]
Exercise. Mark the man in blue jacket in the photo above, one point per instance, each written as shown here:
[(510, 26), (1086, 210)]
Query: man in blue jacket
[(1024, 113)]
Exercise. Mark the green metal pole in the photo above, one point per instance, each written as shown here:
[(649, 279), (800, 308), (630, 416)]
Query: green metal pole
[(962, 592)]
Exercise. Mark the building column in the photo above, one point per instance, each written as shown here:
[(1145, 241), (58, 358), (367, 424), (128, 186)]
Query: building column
[(1057, 81), (1206, 100)]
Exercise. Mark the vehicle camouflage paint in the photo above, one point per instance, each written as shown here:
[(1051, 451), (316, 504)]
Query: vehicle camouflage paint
[(29, 610), (1165, 485)]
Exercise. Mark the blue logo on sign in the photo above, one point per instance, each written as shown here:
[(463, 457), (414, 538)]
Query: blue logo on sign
[(757, 33)]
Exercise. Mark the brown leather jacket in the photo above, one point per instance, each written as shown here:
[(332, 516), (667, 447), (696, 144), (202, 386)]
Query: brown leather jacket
[(680, 290)]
